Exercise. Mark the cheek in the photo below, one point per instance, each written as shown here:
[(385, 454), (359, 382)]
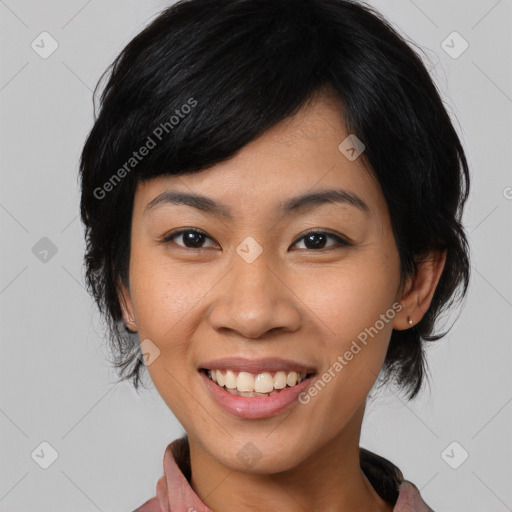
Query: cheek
[(165, 295), (165, 300), (353, 308), (351, 298)]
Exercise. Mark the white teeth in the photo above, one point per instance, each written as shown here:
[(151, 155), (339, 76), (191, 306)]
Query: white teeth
[(280, 380), (291, 378), (230, 380), (261, 384), (249, 393), (264, 383), (245, 382)]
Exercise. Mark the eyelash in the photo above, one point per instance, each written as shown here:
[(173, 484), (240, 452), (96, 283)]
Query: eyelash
[(341, 241)]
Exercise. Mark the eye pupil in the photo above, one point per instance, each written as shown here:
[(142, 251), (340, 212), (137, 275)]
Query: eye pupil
[(194, 238), (317, 240)]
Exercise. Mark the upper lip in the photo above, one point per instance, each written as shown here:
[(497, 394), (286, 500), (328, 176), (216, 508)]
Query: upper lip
[(270, 365)]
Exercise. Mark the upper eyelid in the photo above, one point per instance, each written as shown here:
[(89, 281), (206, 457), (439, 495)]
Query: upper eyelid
[(340, 239), (321, 232), (180, 232)]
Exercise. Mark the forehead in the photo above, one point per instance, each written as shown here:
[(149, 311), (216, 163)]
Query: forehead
[(300, 154)]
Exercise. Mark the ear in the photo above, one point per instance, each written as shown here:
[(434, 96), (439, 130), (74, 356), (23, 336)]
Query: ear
[(125, 302), (419, 290)]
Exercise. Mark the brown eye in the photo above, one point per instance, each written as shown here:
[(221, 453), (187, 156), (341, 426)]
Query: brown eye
[(315, 240), (191, 238)]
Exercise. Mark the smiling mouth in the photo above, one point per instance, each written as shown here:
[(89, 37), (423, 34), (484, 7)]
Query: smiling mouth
[(255, 384)]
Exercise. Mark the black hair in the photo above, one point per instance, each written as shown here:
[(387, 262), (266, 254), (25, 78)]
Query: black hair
[(206, 77)]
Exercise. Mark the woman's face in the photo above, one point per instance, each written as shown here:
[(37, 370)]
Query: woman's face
[(257, 293)]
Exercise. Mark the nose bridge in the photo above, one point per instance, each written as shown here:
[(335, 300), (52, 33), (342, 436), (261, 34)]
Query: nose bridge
[(251, 299), (254, 282)]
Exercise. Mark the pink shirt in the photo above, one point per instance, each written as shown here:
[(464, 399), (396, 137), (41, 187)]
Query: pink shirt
[(174, 493)]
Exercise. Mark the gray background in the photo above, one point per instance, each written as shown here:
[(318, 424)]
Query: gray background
[(56, 384)]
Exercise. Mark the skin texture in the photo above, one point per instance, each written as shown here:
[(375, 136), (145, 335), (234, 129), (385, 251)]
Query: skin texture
[(307, 305)]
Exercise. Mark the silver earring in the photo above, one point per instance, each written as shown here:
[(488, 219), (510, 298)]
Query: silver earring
[(409, 320)]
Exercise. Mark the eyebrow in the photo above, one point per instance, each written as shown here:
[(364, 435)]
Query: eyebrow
[(295, 204)]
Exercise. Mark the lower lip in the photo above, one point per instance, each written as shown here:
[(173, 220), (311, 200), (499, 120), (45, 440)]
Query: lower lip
[(255, 407)]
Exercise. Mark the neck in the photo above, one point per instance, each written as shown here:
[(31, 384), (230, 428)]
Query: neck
[(330, 480)]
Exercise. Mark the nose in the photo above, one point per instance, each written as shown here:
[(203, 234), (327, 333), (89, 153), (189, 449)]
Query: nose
[(252, 300)]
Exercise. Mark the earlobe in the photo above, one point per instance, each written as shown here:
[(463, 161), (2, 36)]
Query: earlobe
[(127, 308), (419, 290)]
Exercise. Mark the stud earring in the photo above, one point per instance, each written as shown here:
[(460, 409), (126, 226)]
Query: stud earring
[(409, 320)]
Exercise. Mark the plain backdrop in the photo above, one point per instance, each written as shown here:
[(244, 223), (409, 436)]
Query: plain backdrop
[(56, 385)]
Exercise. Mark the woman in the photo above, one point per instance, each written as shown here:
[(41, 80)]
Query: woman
[(272, 195)]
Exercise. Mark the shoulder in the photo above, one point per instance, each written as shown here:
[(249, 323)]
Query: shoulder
[(410, 500), (160, 502), (152, 505)]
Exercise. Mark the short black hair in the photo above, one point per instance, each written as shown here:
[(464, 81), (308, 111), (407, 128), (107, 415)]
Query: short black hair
[(206, 77)]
